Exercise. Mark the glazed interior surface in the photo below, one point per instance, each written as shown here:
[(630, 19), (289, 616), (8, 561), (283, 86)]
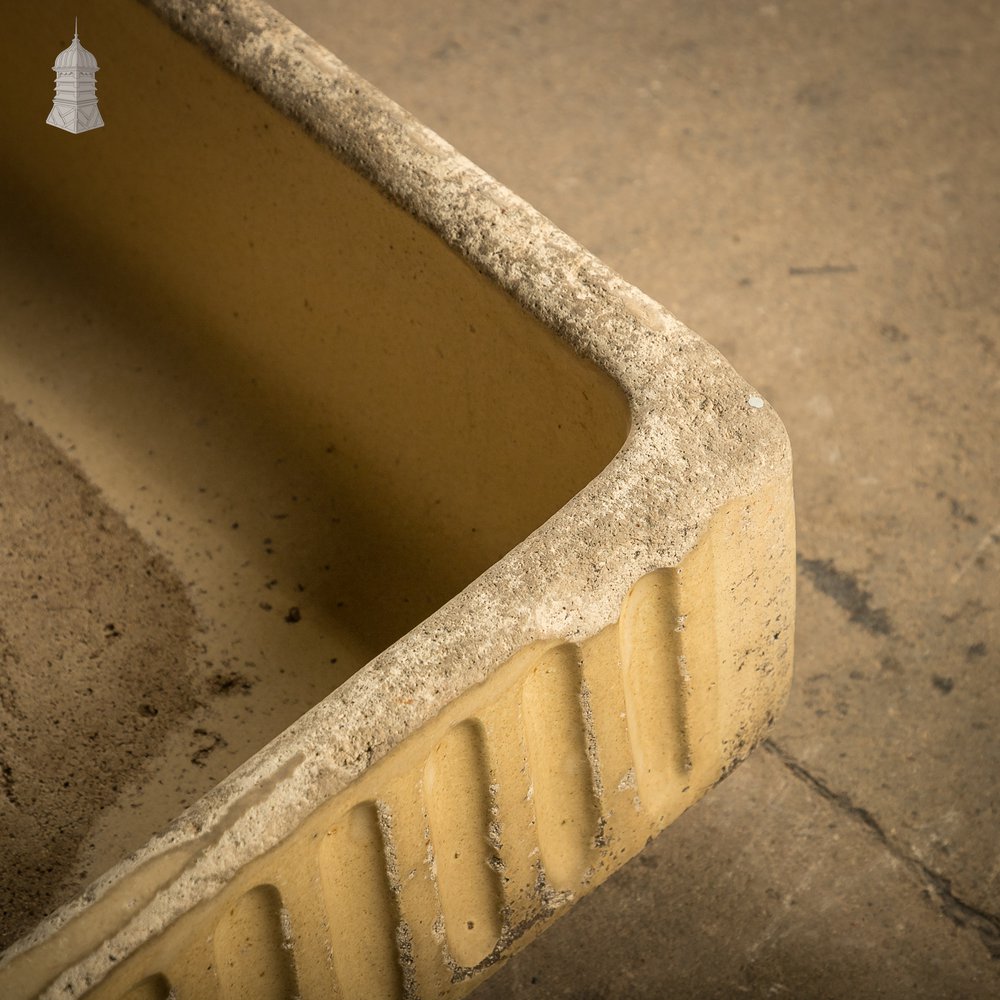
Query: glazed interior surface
[(307, 418)]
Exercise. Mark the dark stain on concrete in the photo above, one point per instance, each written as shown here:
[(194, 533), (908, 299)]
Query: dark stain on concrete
[(944, 684), (231, 682), (7, 783), (799, 271), (893, 334), (201, 755), (958, 512), (817, 94), (847, 593), (890, 665)]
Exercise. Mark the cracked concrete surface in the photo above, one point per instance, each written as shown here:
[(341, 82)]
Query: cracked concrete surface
[(987, 925), (812, 187)]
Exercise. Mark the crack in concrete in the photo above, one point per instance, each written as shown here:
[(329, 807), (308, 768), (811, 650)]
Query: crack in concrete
[(962, 914)]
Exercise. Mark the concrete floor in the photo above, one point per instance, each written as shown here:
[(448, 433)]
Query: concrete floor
[(813, 187)]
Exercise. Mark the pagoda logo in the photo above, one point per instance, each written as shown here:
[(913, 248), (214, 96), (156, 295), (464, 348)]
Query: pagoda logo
[(75, 106)]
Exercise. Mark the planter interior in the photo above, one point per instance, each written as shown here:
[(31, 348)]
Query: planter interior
[(306, 421)]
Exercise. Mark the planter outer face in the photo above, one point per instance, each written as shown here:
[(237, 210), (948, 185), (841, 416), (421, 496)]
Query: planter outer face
[(505, 756)]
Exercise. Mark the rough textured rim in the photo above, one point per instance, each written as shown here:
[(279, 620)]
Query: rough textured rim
[(695, 443)]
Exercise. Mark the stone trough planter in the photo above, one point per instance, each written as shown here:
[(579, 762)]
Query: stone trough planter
[(351, 431)]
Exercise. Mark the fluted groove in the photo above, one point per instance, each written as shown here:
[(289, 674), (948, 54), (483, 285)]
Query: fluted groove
[(361, 907), (581, 748), (154, 987), (566, 809), (457, 797), (253, 948), (657, 684)]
